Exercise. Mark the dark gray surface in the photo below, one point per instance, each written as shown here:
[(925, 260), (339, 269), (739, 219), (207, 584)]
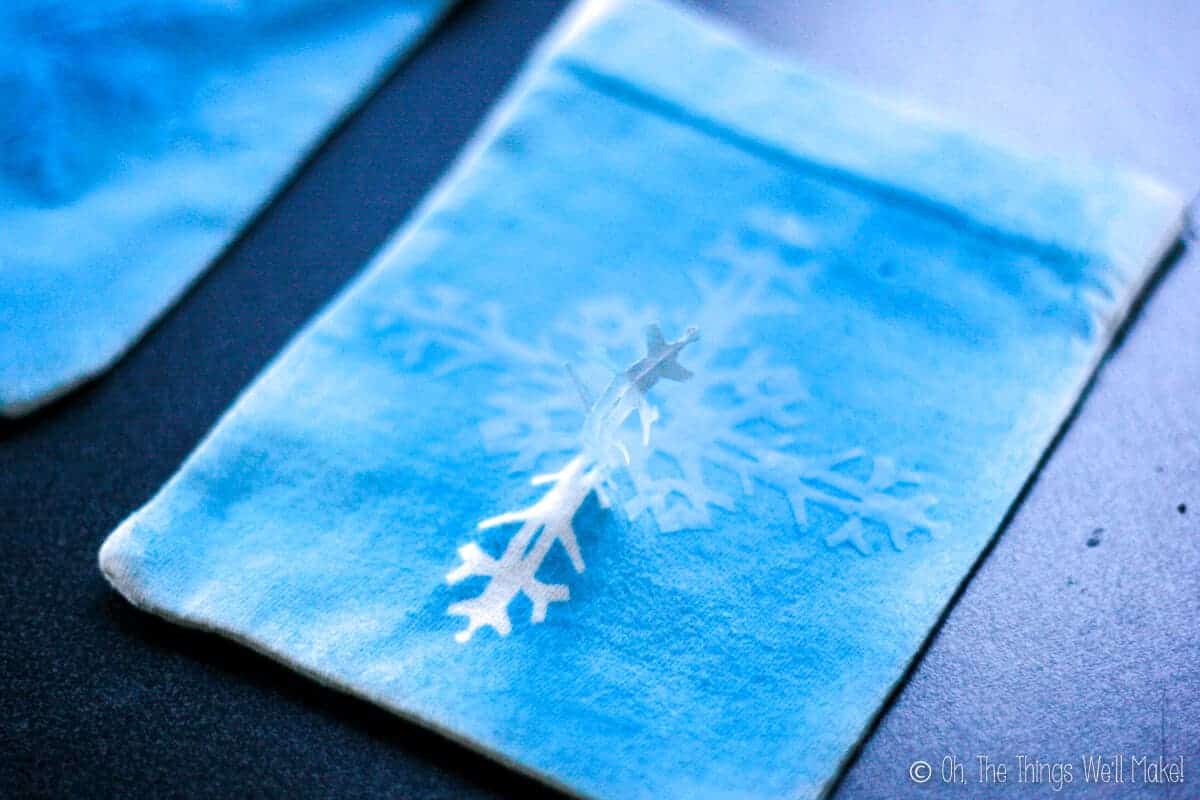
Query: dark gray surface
[(1055, 648)]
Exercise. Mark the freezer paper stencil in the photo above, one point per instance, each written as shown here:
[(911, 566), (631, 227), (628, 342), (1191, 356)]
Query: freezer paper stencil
[(139, 136), (646, 455)]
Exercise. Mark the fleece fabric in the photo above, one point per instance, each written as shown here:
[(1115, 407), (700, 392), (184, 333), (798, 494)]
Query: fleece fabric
[(894, 318), (139, 137)]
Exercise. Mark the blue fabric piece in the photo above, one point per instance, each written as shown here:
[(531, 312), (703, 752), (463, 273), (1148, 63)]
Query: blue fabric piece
[(895, 318), (139, 137)]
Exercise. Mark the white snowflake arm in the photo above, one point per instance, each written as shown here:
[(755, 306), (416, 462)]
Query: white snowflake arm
[(550, 521)]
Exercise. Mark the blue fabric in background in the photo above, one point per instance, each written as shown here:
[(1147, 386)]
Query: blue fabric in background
[(138, 138), (896, 318)]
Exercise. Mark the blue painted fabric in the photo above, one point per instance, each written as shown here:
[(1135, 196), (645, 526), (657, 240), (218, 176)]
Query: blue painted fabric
[(138, 137), (894, 318)]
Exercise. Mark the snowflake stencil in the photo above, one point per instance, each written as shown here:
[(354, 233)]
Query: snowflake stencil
[(731, 430), (550, 519)]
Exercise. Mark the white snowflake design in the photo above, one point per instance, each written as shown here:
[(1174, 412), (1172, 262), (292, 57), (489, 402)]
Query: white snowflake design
[(732, 428)]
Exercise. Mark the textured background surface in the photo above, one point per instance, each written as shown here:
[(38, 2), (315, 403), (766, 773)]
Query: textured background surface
[(1055, 647)]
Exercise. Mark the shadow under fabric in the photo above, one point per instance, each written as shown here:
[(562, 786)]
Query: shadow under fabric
[(139, 138), (895, 317)]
